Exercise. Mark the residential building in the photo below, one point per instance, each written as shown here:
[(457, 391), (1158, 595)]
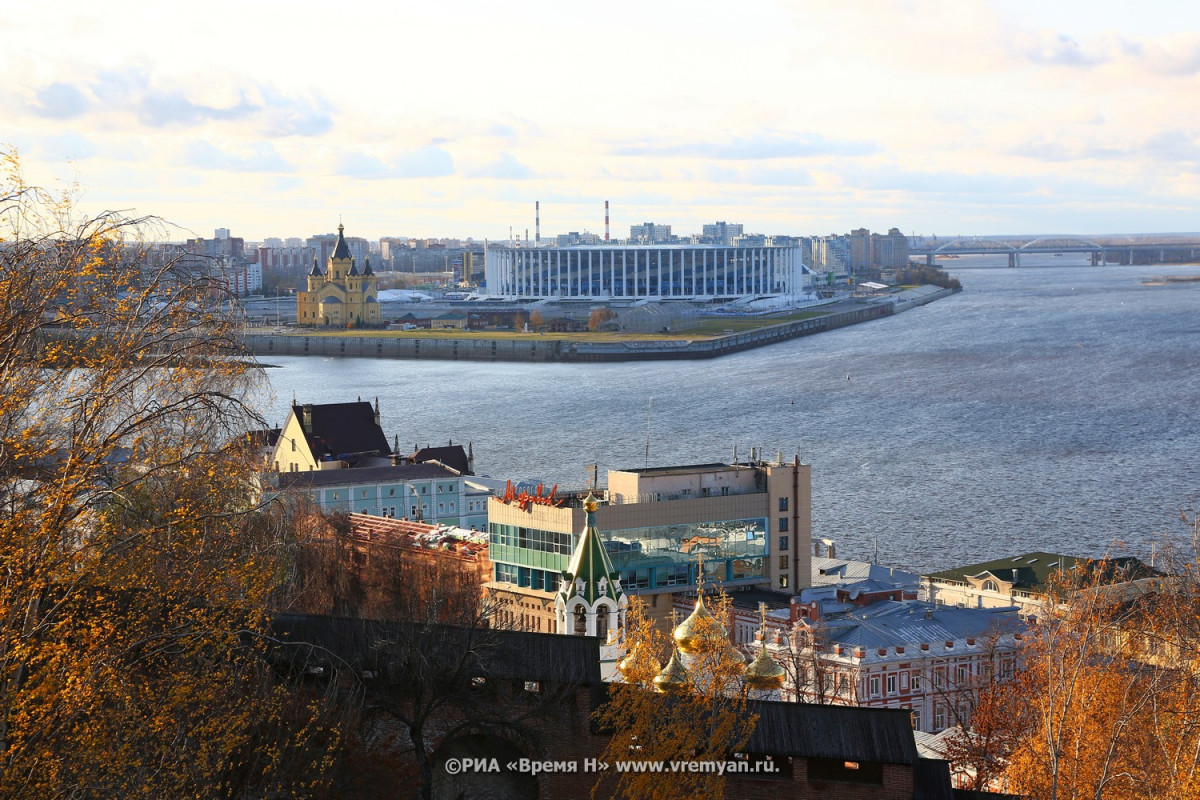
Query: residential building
[(331, 436), (929, 660), (1028, 581), (422, 492), (342, 295), (721, 232), (649, 233), (751, 522)]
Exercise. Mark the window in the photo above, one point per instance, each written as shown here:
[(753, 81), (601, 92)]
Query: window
[(964, 672), (364, 492), (916, 719), (783, 543), (916, 682), (783, 504), (891, 684), (939, 717), (391, 492), (991, 586), (783, 524), (783, 562), (874, 690)]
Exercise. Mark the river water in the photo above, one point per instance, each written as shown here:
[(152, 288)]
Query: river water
[(1052, 407)]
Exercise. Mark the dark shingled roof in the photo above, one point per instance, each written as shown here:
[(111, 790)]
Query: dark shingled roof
[(362, 475), (931, 780), (367, 268), (1032, 571), (363, 644), (343, 429), (840, 732), (453, 456), (341, 250)]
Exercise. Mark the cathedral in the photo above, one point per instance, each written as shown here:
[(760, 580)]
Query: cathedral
[(341, 296)]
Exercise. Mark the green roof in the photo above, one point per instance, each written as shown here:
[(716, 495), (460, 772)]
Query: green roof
[(1032, 571), (591, 564)]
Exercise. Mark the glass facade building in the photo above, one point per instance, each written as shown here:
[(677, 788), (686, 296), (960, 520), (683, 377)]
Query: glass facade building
[(648, 558)]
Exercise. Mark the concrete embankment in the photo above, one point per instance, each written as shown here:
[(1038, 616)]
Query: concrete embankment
[(539, 349)]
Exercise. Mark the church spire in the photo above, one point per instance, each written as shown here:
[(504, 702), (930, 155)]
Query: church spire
[(590, 600), (590, 574), (341, 250)]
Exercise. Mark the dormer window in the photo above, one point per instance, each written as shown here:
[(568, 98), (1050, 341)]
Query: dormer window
[(991, 586)]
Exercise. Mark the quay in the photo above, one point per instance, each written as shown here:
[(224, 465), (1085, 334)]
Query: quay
[(536, 348)]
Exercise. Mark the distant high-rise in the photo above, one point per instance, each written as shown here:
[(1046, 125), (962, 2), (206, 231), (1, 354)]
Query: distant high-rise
[(649, 233), (721, 232)]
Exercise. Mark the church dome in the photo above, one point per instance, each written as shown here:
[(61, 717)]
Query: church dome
[(673, 677), (763, 673), (700, 626), (637, 659)]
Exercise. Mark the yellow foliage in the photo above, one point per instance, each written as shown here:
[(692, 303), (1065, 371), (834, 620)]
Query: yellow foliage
[(136, 570)]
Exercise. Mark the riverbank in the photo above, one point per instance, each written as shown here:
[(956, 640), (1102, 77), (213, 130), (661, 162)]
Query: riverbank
[(534, 348)]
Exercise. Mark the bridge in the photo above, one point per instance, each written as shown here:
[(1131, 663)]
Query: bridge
[(1144, 251)]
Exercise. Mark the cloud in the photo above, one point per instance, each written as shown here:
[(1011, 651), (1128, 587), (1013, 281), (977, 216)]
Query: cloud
[(1041, 47), (160, 108), (60, 101), (1058, 151), (1174, 146), (424, 162), (190, 102), (505, 167), (1177, 55), (252, 157), (762, 146)]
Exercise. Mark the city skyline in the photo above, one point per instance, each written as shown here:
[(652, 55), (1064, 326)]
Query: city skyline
[(948, 118)]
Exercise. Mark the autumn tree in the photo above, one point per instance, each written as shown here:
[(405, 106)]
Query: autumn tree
[(536, 320), (1107, 693), (599, 316), (137, 570), (663, 713), (810, 678)]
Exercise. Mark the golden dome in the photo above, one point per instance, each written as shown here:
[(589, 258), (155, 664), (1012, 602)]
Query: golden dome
[(699, 626), (673, 677), (763, 673), (635, 659)]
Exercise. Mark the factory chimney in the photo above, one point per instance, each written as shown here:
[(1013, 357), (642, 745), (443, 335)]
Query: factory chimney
[(537, 223), (606, 220)]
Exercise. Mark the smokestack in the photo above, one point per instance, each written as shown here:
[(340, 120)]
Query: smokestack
[(537, 223), (606, 220)]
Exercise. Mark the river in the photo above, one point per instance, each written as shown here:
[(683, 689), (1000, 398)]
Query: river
[(1052, 407)]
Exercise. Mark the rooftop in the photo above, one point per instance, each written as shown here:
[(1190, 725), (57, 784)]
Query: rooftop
[(363, 475), (888, 623), (1034, 570)]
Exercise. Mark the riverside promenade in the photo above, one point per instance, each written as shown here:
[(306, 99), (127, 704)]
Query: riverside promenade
[(536, 348)]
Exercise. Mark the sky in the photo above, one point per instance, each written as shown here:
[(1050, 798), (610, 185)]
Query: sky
[(450, 119)]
